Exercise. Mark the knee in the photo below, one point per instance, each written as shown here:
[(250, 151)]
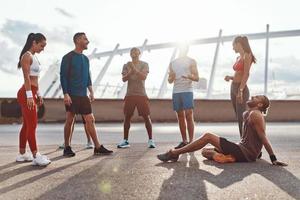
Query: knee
[(127, 118), (206, 153), (189, 116), (69, 121), (180, 115), (89, 119), (70, 118), (147, 119), (207, 136), (31, 126)]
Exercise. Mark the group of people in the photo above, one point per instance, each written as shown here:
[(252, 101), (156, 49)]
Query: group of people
[(76, 83)]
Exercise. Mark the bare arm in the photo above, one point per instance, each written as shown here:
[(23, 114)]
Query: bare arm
[(90, 88), (172, 75), (259, 124), (142, 75), (194, 72), (126, 73), (247, 64), (25, 63)]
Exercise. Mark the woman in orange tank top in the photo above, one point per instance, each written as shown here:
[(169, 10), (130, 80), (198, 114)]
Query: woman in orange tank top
[(239, 92)]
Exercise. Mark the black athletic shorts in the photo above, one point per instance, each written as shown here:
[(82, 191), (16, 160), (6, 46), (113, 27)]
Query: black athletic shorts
[(232, 149), (80, 105)]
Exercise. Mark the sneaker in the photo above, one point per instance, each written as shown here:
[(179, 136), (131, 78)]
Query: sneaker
[(180, 145), (101, 150), (124, 144), (62, 146), (165, 157), (89, 145), (40, 160), (68, 152), (151, 144), (24, 157)]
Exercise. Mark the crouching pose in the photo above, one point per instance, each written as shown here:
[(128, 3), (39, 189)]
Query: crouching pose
[(247, 150)]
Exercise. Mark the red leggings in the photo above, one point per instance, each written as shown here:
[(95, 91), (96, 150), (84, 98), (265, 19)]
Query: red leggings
[(27, 132)]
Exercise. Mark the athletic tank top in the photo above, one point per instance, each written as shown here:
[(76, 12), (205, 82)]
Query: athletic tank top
[(250, 144), (35, 68), (181, 67)]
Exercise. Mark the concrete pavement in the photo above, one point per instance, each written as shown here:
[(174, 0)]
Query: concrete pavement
[(135, 173)]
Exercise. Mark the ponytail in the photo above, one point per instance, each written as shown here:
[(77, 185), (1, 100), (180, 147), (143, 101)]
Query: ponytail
[(37, 37)]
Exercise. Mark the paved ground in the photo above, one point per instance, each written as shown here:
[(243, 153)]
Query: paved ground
[(135, 173)]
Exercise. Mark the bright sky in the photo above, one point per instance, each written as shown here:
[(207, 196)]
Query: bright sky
[(129, 22)]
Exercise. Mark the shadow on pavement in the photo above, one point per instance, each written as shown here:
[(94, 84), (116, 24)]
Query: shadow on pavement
[(188, 182)]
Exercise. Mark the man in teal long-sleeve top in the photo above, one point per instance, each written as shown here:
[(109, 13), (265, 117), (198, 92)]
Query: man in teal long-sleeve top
[(75, 79)]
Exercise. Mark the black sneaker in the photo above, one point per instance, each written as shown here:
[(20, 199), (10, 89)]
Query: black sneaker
[(180, 145), (68, 152), (101, 150), (165, 157)]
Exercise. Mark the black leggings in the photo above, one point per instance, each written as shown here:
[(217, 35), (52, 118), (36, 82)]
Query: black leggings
[(239, 109)]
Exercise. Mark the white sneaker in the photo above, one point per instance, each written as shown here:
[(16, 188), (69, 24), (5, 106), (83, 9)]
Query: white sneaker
[(41, 160), (24, 157), (89, 145)]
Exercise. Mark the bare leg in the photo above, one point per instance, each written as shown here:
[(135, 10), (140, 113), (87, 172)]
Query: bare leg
[(68, 127), (190, 123), (126, 126), (88, 137), (207, 138), (182, 124), (91, 129), (72, 130), (148, 126)]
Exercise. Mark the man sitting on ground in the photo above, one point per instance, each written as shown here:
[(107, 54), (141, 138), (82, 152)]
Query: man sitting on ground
[(247, 150)]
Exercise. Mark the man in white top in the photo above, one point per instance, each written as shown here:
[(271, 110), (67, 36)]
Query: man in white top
[(182, 72)]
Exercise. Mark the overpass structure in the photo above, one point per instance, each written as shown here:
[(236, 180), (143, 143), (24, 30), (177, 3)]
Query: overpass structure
[(50, 84)]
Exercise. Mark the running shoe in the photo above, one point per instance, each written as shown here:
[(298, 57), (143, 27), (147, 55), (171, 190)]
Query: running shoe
[(101, 150), (40, 160), (24, 157), (124, 144), (151, 144), (89, 145), (165, 157), (68, 152)]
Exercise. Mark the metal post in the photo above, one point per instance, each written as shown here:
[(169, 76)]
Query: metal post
[(104, 69), (213, 69), (266, 60), (164, 85)]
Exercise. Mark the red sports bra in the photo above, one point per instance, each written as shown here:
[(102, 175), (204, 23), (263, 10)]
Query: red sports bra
[(238, 65)]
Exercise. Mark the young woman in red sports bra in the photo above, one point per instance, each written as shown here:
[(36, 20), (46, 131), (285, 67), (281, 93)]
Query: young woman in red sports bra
[(28, 98), (239, 90)]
